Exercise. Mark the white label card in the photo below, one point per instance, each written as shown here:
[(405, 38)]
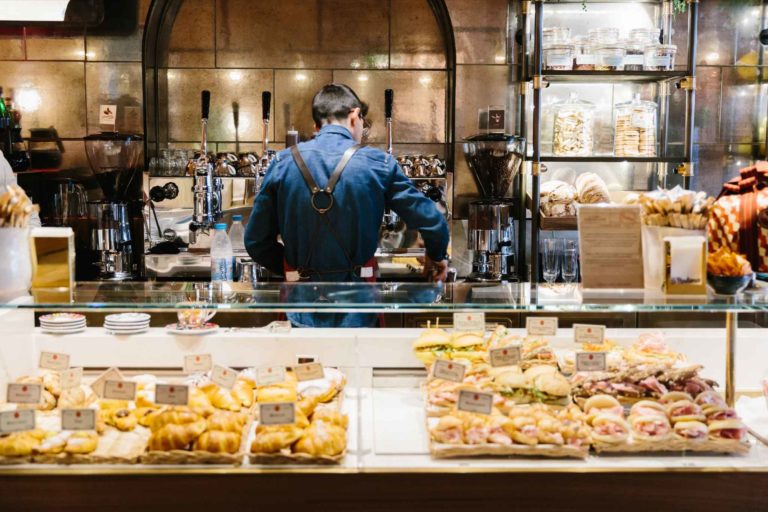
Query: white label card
[(584, 333), (54, 361), (505, 356), (279, 413), (309, 371), (110, 374), (475, 401), (448, 370), (119, 390), (590, 362), (541, 326), (24, 393), (198, 363), (107, 114), (78, 419), (270, 375), (223, 376), (473, 321), (16, 421), (171, 394), (71, 378)]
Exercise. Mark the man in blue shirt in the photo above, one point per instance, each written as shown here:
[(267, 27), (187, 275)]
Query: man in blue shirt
[(326, 199)]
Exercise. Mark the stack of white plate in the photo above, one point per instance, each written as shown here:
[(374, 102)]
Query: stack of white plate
[(127, 323), (62, 323)]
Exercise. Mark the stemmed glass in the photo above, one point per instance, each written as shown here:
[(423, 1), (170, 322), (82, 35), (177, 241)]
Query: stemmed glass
[(570, 264), (551, 249)]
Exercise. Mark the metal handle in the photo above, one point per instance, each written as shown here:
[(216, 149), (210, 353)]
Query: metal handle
[(389, 100), (206, 103), (266, 104)]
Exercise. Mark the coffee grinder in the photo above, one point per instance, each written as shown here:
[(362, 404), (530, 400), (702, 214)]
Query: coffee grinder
[(495, 160), (114, 159)]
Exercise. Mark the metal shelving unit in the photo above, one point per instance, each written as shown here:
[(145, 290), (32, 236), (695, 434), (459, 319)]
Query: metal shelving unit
[(532, 72)]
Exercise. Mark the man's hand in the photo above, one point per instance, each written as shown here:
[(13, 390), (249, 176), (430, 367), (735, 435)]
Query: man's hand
[(435, 270)]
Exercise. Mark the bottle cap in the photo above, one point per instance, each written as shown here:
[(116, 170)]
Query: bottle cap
[(237, 217), (220, 225)]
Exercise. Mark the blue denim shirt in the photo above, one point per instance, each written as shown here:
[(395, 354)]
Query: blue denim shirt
[(371, 182)]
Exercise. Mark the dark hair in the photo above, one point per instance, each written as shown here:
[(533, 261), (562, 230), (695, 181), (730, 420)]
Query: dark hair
[(334, 102)]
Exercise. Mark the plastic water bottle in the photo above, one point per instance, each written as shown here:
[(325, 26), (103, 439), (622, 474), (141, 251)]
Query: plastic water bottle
[(221, 255), (237, 234)]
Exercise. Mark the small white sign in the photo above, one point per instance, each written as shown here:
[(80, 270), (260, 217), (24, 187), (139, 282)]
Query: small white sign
[(270, 375), (24, 393), (505, 356), (198, 363), (475, 401), (54, 361), (471, 321), (16, 421), (541, 326), (366, 272), (309, 371), (171, 394), (278, 413), (585, 333), (223, 376), (111, 374), (78, 419), (119, 390), (448, 370), (590, 362), (71, 378), (107, 114)]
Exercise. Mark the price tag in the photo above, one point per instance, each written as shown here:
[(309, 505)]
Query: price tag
[(98, 385), (309, 371), (541, 326), (119, 390), (590, 361), (78, 419), (448, 370), (278, 413), (22, 393), (270, 375), (505, 356), (171, 394), (474, 321), (223, 376), (71, 378), (16, 421), (584, 333), (198, 363), (475, 401), (54, 361)]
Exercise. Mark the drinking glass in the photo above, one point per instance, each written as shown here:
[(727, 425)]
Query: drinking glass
[(570, 261), (551, 259)]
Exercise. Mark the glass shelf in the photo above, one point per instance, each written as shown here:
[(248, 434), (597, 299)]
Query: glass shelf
[(610, 159), (612, 76)]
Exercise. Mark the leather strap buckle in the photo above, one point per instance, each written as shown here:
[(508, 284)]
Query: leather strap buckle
[(317, 208)]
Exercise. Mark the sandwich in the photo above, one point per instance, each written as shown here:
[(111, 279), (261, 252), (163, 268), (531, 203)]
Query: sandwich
[(650, 428), (476, 429), (684, 410), (731, 430), (602, 404), (497, 433), (675, 396), (468, 345), (647, 408), (523, 430), (550, 430), (551, 388), (709, 399), (610, 428), (720, 413), (431, 345), (513, 387), (691, 430), (448, 430)]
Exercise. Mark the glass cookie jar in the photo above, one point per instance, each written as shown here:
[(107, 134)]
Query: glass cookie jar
[(574, 122), (635, 128)]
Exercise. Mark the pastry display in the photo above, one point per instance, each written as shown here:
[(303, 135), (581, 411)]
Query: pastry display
[(538, 384), (723, 262), (573, 127), (678, 208)]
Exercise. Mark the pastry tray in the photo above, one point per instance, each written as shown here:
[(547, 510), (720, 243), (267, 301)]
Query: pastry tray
[(675, 445), (445, 451), (114, 447)]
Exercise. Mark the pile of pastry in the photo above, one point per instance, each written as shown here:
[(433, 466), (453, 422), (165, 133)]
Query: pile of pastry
[(558, 198), (675, 422), (677, 208), (54, 397), (189, 429), (41, 441)]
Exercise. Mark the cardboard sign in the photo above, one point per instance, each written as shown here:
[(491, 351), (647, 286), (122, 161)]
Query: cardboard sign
[(171, 394), (309, 371), (24, 393), (119, 390), (586, 333), (223, 376), (54, 361), (71, 378), (505, 356), (590, 361), (198, 363), (111, 374), (16, 421), (448, 370), (541, 326), (78, 419), (472, 321), (475, 401), (278, 413), (270, 375)]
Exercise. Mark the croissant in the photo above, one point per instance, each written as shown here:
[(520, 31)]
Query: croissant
[(82, 442), (307, 405), (74, 398), (272, 394), (146, 397), (223, 399), (322, 439), (122, 419), (113, 404), (272, 439), (200, 402), (17, 445), (145, 415), (54, 444), (217, 441), (52, 383), (243, 391), (175, 436), (47, 402), (331, 416), (226, 421), (175, 416)]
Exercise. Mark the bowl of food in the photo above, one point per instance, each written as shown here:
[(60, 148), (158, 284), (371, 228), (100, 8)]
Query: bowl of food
[(728, 273)]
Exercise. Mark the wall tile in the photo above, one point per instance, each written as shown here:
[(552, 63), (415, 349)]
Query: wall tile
[(728, 32), (227, 86), (743, 119), (294, 91), (111, 82), (416, 41), (718, 163), (477, 87), (480, 30), (419, 111), (193, 37), (11, 43), (54, 44), (49, 94)]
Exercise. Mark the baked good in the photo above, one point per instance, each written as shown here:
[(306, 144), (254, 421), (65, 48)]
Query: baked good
[(513, 387), (82, 442), (432, 344), (691, 430), (468, 345), (496, 430), (307, 405), (551, 388), (175, 436), (243, 391), (675, 396), (324, 389), (591, 189), (650, 428), (550, 430), (476, 429), (709, 399), (602, 404), (610, 428), (226, 421), (17, 445), (122, 419), (557, 199), (52, 382), (53, 444), (322, 439), (224, 399), (272, 439), (523, 430), (449, 430), (145, 415), (731, 429), (106, 404), (175, 416), (217, 441), (331, 416), (647, 407), (684, 410), (720, 413)]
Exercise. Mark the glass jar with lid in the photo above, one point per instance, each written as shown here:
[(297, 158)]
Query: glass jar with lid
[(660, 57), (635, 55), (573, 127), (651, 35), (610, 57), (584, 54), (558, 57), (635, 128), (556, 35), (604, 35)]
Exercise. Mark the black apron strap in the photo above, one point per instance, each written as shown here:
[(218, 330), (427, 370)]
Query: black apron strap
[(334, 179)]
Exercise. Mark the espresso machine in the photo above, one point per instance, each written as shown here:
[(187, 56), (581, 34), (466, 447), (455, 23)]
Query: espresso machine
[(114, 159), (207, 188), (495, 161)]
